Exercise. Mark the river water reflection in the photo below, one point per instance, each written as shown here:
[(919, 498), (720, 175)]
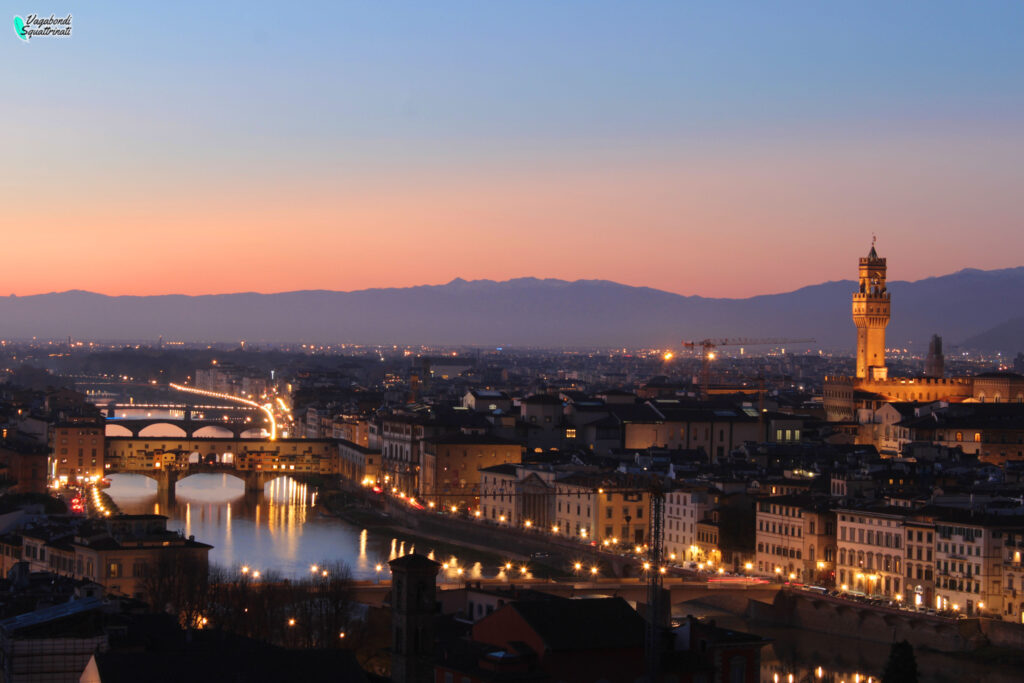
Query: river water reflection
[(281, 529)]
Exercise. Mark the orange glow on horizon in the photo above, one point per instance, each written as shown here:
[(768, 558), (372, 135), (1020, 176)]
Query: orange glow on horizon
[(616, 217)]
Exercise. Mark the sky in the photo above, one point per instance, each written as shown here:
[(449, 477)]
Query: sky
[(721, 149)]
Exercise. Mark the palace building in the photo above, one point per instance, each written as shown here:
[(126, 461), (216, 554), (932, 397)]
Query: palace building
[(872, 387)]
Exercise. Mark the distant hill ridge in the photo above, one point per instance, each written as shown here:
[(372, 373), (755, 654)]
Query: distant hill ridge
[(984, 309)]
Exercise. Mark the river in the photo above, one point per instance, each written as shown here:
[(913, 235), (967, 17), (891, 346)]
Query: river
[(282, 530)]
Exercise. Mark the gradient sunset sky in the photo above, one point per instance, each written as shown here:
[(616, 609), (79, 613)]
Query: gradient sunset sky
[(721, 149)]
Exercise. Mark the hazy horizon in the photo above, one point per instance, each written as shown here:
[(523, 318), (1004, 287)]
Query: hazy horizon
[(849, 277)]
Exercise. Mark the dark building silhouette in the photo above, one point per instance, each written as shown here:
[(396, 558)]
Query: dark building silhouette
[(413, 606)]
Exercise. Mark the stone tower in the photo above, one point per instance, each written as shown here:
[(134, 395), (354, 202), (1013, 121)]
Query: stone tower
[(935, 363), (413, 609), (871, 315)]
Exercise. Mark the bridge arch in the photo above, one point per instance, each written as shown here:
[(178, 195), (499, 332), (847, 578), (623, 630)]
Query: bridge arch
[(141, 475), (117, 430), (212, 431), (233, 473), (167, 430)]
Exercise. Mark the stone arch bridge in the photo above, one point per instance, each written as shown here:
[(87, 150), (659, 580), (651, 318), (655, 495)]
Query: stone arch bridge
[(188, 428), (255, 461)]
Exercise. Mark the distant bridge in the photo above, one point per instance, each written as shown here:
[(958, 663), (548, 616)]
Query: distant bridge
[(253, 460), (188, 427)]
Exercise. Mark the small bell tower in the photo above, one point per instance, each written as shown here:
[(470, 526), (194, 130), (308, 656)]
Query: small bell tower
[(871, 312), (413, 609)]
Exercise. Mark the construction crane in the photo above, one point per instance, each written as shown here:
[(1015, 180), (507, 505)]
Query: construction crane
[(708, 354), (656, 605)]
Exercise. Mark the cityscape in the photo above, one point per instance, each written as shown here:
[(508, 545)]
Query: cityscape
[(467, 343)]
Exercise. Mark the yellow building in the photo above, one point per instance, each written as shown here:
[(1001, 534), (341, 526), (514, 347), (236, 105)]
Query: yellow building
[(607, 509), (450, 466)]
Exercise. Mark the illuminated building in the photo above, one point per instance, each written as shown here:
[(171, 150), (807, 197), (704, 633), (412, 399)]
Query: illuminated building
[(76, 450), (451, 465), (871, 550), (871, 387), (797, 535), (871, 310)]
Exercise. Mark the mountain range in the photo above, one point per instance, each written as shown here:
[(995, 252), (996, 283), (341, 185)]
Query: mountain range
[(970, 308)]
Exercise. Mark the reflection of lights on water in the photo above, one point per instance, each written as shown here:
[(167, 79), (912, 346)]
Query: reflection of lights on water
[(240, 528)]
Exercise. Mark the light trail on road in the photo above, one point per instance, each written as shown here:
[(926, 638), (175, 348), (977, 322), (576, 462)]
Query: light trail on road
[(267, 409)]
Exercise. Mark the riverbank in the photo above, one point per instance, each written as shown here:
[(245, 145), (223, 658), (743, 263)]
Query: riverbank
[(358, 509)]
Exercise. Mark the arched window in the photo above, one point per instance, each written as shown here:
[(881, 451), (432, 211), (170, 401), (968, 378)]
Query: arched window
[(977, 437), (959, 436)]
